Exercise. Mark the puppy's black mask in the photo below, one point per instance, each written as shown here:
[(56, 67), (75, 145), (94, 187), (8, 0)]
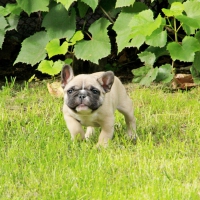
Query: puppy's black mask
[(89, 97)]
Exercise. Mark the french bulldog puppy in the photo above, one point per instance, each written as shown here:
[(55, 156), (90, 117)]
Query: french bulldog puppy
[(91, 100)]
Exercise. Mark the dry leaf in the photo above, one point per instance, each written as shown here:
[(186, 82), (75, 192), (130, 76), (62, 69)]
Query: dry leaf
[(55, 89), (183, 81)]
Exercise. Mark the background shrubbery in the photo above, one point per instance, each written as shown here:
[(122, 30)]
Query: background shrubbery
[(162, 32)]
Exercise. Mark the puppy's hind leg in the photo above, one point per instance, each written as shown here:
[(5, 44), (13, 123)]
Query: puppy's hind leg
[(126, 108)]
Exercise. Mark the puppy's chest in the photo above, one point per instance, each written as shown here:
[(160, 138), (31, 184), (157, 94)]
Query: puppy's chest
[(88, 120)]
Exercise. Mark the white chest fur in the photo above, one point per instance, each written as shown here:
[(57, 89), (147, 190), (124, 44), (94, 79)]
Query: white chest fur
[(87, 118)]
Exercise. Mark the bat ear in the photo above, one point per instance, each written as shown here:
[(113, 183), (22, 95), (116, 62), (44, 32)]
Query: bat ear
[(106, 80), (67, 75)]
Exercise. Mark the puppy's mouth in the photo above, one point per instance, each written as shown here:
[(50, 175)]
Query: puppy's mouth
[(83, 108)]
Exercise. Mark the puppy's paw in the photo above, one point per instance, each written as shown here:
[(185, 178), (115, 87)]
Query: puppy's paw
[(134, 140), (133, 137), (77, 137), (103, 144)]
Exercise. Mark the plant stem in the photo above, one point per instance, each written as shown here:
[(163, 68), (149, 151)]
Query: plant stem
[(88, 35), (175, 30), (179, 27), (111, 20), (173, 69), (170, 25)]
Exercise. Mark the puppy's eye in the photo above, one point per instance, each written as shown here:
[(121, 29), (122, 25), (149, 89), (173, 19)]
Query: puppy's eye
[(95, 91), (69, 91)]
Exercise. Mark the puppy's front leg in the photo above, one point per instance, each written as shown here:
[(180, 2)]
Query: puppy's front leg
[(106, 134), (75, 128), (89, 132)]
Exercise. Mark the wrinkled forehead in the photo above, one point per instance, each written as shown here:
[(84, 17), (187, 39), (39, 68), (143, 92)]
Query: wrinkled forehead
[(83, 82)]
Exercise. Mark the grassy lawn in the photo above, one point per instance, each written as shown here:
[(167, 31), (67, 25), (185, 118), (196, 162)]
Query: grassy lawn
[(39, 161)]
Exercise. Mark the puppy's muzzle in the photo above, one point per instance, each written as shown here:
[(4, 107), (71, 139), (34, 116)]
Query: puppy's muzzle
[(82, 95)]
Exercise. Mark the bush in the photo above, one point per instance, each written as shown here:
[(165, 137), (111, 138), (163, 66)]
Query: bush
[(172, 31)]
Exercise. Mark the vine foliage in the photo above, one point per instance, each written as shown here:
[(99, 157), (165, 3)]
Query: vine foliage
[(173, 32)]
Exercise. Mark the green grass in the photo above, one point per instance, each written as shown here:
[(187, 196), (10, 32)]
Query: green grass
[(39, 161)]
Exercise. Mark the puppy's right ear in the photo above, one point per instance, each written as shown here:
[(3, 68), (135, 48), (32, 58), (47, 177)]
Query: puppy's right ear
[(67, 75), (106, 80)]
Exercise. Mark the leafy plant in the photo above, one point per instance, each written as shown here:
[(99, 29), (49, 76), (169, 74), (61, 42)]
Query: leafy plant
[(54, 48), (182, 47), (172, 32)]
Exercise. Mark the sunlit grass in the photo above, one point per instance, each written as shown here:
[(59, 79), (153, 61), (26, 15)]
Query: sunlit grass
[(39, 161)]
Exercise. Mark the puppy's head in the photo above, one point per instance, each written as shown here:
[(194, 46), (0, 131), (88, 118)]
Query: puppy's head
[(85, 93)]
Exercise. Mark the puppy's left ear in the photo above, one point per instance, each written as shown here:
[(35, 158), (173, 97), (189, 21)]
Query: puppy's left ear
[(67, 75), (106, 80)]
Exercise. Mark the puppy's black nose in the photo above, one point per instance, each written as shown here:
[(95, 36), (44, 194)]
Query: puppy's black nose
[(81, 96)]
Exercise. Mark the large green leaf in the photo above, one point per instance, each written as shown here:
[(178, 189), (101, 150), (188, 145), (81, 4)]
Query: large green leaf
[(147, 57), (76, 37), (145, 75), (2, 29), (157, 39), (108, 6), (66, 3), (99, 45), (192, 9), (149, 77), (189, 30), (92, 3), (123, 3), (82, 9), (140, 73), (53, 48), (144, 19), (33, 49), (14, 8), (195, 70), (30, 6), (50, 67), (176, 9), (158, 51), (188, 21), (123, 31), (164, 74), (197, 36), (191, 22), (172, 1), (137, 41), (12, 21), (58, 22), (3, 11), (2, 36), (3, 23), (186, 51), (68, 61)]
